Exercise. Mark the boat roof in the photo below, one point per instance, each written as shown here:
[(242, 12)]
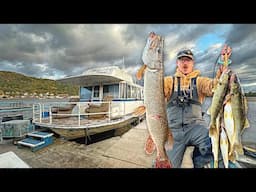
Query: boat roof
[(96, 76)]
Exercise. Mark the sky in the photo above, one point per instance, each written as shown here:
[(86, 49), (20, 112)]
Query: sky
[(55, 51)]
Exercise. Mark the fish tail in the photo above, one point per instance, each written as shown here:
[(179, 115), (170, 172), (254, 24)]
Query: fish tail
[(239, 149), (231, 156), (150, 146), (162, 163), (216, 163)]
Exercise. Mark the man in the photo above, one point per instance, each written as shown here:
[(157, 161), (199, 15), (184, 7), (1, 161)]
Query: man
[(185, 92)]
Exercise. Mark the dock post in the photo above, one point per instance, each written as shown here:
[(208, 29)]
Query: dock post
[(86, 134)]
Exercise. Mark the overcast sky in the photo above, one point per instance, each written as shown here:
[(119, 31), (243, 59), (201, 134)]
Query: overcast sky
[(55, 51)]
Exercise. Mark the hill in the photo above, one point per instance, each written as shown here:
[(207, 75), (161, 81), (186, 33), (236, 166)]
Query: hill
[(16, 84)]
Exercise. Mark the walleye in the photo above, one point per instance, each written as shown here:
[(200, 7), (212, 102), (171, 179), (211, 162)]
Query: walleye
[(231, 119), (154, 100), (217, 101), (216, 112), (238, 103)]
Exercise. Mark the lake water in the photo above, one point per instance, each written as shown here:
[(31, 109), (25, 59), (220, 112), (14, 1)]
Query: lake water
[(26, 112), (249, 135)]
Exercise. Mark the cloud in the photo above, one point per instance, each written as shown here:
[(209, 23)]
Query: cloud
[(58, 50)]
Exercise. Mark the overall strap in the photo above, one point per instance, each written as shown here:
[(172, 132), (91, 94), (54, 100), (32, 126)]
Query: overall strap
[(179, 92)]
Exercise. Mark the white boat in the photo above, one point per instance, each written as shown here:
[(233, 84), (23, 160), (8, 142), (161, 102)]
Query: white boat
[(93, 113)]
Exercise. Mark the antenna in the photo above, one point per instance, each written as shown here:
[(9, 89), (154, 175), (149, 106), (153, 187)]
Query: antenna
[(123, 63)]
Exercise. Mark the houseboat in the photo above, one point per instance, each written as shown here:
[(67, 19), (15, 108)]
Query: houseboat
[(109, 99)]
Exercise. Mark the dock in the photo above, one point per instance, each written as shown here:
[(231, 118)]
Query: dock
[(126, 151)]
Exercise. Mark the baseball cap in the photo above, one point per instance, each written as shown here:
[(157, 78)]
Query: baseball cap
[(185, 53)]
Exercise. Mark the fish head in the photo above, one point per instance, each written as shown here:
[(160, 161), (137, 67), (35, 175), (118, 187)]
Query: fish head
[(153, 51), (224, 79)]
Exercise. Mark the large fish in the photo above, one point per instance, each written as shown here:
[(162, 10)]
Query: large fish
[(154, 100), (217, 101), (238, 103), (216, 111)]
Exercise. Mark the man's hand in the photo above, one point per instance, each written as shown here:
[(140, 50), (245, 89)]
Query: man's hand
[(226, 50), (221, 69)]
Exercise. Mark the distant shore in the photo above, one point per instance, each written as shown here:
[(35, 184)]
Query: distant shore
[(251, 98)]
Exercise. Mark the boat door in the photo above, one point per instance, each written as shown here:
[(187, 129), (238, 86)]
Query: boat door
[(96, 90)]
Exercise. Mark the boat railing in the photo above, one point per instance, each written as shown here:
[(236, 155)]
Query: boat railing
[(43, 113)]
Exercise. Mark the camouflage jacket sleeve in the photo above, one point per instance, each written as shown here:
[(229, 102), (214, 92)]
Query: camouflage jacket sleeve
[(205, 86), (168, 84)]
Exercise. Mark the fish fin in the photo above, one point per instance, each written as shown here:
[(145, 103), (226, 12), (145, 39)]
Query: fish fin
[(245, 103), (231, 151), (169, 142), (150, 146), (231, 157), (246, 123), (212, 130), (165, 163), (227, 99), (239, 149), (141, 71), (208, 112)]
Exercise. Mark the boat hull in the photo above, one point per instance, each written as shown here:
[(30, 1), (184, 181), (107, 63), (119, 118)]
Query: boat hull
[(74, 133)]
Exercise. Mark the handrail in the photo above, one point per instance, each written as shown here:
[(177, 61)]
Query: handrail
[(49, 119)]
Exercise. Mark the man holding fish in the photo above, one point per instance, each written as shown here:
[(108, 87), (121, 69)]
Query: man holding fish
[(184, 95)]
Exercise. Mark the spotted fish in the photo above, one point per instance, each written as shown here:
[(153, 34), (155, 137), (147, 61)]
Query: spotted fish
[(154, 100)]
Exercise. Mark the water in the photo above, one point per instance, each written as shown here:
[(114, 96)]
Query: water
[(26, 112), (249, 135)]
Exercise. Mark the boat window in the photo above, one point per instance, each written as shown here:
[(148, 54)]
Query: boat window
[(111, 90), (123, 90), (137, 93), (96, 91), (128, 91), (86, 93), (133, 92)]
